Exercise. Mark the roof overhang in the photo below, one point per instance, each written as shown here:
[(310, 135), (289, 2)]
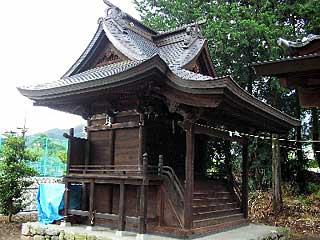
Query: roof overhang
[(283, 67), (301, 73)]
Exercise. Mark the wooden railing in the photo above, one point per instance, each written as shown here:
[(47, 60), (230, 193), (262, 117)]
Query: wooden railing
[(112, 170), (235, 185)]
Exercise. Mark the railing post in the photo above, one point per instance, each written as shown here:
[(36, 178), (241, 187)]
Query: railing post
[(245, 179), (122, 208), (70, 138), (189, 182), (143, 197), (160, 165), (66, 203), (145, 164)]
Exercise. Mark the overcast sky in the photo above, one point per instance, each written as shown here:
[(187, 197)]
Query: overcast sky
[(40, 40)]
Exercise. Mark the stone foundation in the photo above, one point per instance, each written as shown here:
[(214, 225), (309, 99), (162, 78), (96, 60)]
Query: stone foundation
[(37, 231)]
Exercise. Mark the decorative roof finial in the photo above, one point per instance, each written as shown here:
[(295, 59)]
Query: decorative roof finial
[(113, 11), (108, 3)]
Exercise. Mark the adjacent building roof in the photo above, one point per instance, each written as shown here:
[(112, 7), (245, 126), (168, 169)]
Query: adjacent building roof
[(300, 70)]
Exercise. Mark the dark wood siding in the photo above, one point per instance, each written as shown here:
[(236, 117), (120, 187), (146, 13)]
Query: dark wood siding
[(126, 146), (100, 148)]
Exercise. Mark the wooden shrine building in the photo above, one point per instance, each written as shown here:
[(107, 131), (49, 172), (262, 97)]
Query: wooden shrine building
[(301, 70), (152, 99)]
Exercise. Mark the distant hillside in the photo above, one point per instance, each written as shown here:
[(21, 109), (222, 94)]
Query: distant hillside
[(57, 133)]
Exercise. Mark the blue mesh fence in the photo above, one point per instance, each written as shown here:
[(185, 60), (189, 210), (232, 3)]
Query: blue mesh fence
[(48, 168), (49, 165)]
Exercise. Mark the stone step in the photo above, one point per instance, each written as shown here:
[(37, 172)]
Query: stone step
[(217, 213), (217, 220), (215, 207), (212, 194), (221, 227), (211, 201)]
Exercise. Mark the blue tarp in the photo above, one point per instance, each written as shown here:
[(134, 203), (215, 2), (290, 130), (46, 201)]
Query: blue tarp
[(50, 201)]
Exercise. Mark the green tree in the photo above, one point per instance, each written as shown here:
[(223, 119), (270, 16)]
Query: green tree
[(242, 32), (14, 174), (50, 148)]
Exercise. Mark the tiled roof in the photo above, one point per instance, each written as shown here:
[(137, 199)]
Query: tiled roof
[(176, 50), (89, 75), (299, 43), (307, 56), (146, 51)]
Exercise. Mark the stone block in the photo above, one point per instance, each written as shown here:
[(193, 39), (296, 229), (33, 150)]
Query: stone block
[(91, 237), (103, 238), (26, 238), (38, 237), (61, 235), (69, 236), (52, 232), (25, 230), (38, 230), (79, 236)]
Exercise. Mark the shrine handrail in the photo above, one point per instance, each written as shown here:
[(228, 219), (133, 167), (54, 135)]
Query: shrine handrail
[(235, 185), (170, 173)]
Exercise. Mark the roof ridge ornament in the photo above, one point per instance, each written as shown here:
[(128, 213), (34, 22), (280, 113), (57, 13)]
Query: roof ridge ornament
[(113, 11), (193, 32), (116, 15)]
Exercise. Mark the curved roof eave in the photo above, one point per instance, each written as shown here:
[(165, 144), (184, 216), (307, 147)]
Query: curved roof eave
[(227, 83), (116, 80), (221, 85)]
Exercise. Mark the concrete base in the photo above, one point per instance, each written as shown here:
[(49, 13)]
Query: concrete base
[(34, 231), (89, 228), (120, 234), (65, 224), (142, 237)]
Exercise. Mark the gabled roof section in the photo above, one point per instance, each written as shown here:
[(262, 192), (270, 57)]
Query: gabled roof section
[(171, 57), (138, 43), (177, 47)]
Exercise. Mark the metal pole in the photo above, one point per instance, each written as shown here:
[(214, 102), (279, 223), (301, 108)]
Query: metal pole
[(45, 157)]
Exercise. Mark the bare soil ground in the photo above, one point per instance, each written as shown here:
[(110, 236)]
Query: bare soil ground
[(11, 231), (300, 214)]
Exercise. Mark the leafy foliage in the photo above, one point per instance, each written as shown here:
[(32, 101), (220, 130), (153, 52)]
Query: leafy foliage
[(239, 33), (47, 147), (14, 174)]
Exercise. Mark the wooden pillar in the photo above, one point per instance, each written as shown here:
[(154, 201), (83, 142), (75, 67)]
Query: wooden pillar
[(245, 172), (276, 174), (91, 203), (144, 198), (122, 208), (189, 182), (71, 135), (66, 200), (161, 198), (112, 134), (142, 148), (84, 202)]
